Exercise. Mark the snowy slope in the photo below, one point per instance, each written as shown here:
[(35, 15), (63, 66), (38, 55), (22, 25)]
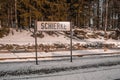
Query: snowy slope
[(24, 37)]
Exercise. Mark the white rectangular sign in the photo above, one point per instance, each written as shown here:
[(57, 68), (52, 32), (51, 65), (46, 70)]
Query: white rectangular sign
[(53, 26)]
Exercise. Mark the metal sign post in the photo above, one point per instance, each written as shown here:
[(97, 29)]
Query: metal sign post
[(35, 33), (71, 34)]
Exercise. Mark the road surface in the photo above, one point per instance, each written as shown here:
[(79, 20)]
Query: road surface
[(102, 73)]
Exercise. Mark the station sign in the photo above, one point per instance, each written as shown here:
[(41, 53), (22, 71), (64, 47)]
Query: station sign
[(53, 26)]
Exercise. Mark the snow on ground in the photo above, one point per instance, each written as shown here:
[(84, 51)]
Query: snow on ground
[(104, 73), (77, 61), (50, 55), (90, 73), (24, 37)]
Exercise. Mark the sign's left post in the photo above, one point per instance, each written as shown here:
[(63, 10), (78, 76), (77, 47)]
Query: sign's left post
[(35, 35)]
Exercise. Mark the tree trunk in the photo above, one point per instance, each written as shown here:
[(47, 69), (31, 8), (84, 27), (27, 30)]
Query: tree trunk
[(29, 10), (89, 13), (16, 20), (11, 17), (118, 24), (102, 15), (0, 24), (8, 19), (98, 26), (106, 17)]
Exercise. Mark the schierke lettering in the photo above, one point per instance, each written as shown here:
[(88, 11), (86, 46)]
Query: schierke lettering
[(53, 26)]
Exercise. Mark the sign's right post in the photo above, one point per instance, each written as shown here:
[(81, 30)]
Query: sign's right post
[(71, 35)]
